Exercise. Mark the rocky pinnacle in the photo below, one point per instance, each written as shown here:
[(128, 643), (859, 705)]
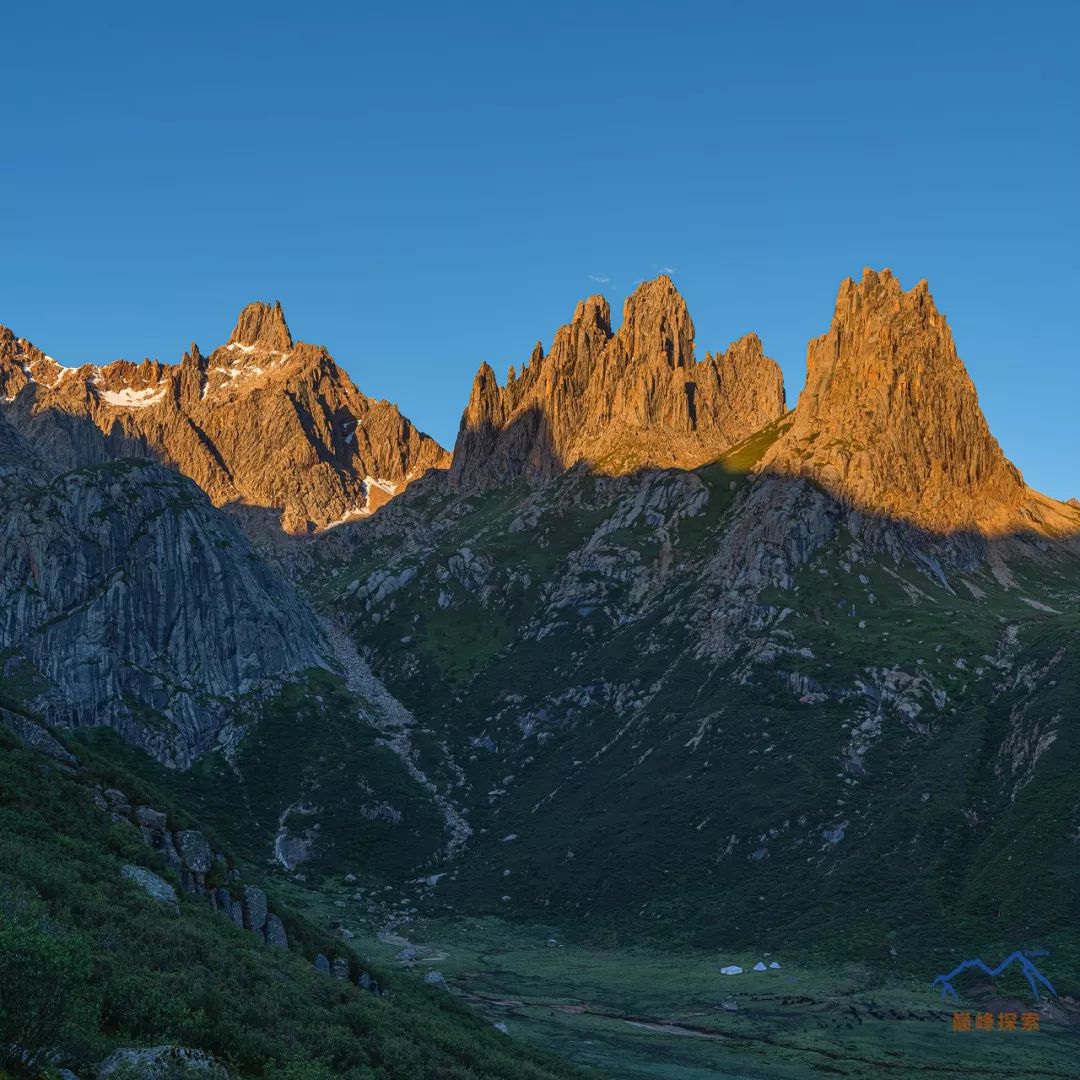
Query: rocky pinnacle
[(890, 423), (620, 401)]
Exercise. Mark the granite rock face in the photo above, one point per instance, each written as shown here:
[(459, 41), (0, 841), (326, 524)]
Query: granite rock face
[(267, 426), (637, 398), (137, 604)]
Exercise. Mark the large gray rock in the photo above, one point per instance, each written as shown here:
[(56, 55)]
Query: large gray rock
[(276, 937), (436, 979), (32, 734), (149, 818), (321, 964), (155, 887), (194, 851), (255, 911), (340, 968), (161, 1063)]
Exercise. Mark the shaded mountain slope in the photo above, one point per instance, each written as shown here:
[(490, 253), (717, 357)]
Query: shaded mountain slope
[(128, 600), (795, 694), (90, 962)]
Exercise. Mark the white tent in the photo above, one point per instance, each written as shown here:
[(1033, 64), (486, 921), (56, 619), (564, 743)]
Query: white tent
[(731, 969)]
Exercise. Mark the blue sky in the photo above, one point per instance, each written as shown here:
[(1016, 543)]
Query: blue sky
[(426, 187)]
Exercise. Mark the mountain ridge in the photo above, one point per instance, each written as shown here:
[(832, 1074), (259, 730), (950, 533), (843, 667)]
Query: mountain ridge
[(615, 400), (262, 423)]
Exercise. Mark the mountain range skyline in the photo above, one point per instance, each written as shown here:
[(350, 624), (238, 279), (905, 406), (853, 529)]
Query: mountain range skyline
[(761, 174), (446, 433)]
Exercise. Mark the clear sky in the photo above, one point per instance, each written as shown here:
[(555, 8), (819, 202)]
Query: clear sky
[(428, 186)]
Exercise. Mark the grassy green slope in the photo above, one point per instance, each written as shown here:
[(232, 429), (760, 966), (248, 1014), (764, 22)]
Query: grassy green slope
[(308, 749), (89, 962)]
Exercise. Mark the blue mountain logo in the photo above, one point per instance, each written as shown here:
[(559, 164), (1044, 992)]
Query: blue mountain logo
[(1021, 957)]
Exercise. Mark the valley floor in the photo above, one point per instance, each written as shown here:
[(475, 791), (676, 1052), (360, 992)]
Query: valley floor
[(651, 1014)]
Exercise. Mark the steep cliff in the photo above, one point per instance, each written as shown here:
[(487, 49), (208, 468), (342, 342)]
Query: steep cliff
[(263, 422), (620, 401), (889, 420), (127, 600)]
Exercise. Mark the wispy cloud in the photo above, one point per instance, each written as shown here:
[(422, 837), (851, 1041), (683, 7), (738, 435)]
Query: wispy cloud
[(599, 280), (666, 269)]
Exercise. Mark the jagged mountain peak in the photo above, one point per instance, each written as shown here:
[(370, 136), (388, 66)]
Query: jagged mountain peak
[(593, 311), (262, 325), (890, 422), (656, 325), (633, 399)]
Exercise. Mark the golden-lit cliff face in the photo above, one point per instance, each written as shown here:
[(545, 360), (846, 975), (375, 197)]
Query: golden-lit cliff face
[(622, 401), (263, 421), (889, 421)]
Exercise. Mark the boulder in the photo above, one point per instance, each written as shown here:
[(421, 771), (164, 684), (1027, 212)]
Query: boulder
[(149, 818), (340, 968), (276, 937), (255, 910), (161, 1063), (321, 964), (194, 850), (155, 887), (117, 801), (364, 982), (436, 979)]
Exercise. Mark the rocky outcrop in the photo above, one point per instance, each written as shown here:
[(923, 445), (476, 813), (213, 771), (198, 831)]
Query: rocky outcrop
[(189, 854), (265, 425), (32, 734), (889, 421), (637, 398), (157, 888), (161, 1063)]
